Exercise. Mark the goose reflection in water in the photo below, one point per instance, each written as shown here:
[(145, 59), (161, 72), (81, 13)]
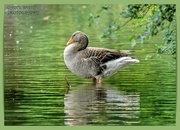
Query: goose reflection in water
[(93, 105)]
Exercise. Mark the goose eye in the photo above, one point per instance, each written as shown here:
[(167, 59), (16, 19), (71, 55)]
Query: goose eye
[(73, 35)]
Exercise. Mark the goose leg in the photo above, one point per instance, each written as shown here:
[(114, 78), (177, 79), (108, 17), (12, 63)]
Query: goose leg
[(94, 80), (100, 81), (97, 80)]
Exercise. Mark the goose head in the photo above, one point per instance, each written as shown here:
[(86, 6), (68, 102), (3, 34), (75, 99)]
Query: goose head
[(80, 40)]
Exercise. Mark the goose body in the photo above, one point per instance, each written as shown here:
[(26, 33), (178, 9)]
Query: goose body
[(91, 62)]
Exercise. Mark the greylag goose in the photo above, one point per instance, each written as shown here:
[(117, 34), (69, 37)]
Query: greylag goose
[(91, 62)]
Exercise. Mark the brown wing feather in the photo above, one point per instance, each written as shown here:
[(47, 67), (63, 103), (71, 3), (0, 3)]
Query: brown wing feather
[(104, 55)]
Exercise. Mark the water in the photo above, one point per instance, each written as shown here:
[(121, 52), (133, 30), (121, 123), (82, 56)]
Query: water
[(35, 91), (105, 105)]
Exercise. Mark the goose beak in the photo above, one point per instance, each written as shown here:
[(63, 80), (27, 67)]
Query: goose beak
[(70, 41)]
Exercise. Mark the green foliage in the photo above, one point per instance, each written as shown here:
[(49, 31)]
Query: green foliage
[(135, 11), (154, 19), (94, 17)]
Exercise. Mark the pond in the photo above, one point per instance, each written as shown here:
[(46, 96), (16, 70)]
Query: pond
[(35, 90)]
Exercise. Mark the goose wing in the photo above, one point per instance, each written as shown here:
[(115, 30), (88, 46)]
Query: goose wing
[(102, 55)]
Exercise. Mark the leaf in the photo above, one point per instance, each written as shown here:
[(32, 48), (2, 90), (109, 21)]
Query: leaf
[(133, 42), (142, 39)]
